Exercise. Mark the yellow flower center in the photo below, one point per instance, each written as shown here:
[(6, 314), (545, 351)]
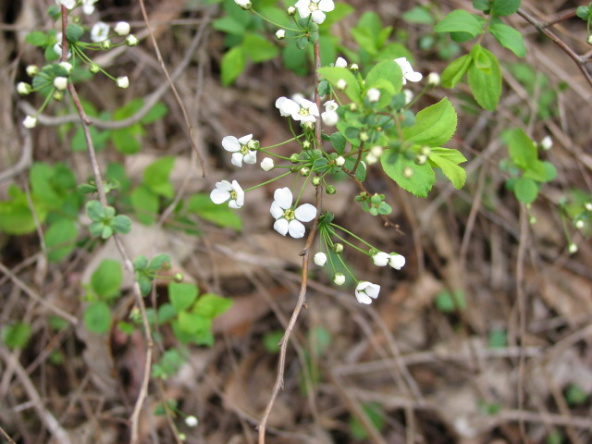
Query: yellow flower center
[(289, 215)]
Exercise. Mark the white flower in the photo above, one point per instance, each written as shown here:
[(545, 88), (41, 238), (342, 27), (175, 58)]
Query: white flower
[(131, 40), (373, 95), (122, 28), (88, 6), (191, 421), (67, 66), (245, 4), (57, 48), (316, 8), (433, 79), (371, 159), (396, 261), (30, 122), (69, 4), (547, 143), (330, 117), (289, 221), (240, 150), (381, 259), (408, 96), (408, 73), (99, 32), (123, 82), (340, 63), (226, 191), (280, 34), (23, 88), (267, 164), (340, 161), (60, 83), (366, 291), (339, 279), (320, 258), (299, 109)]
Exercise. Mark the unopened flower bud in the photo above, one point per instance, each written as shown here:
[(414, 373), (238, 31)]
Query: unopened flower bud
[(94, 68), (373, 95), (131, 40), (280, 34), (294, 158), (572, 248), (304, 171), (588, 206), (340, 63), (425, 150), (306, 145), (320, 258), (340, 161), (353, 107), (58, 96), (547, 143), (61, 83), (338, 248), (339, 279), (421, 159), (341, 84), (291, 10), (178, 278), (253, 144), (331, 189), (267, 164), (245, 4), (580, 224), (123, 82), (376, 151), (408, 172), (364, 137), (408, 96), (354, 67), (532, 220), (30, 122), (106, 44), (433, 79), (32, 70), (122, 28), (589, 39), (23, 88), (191, 421), (316, 181), (67, 66)]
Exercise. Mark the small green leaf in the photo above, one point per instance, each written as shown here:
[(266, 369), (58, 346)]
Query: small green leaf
[(16, 335), (271, 341), (140, 263), (94, 210), (460, 20), (229, 25), (211, 305), (146, 204), (338, 142), (334, 75), (194, 324), (156, 176), (74, 32), (15, 214), (388, 78), (505, 7), (374, 413), (158, 111), (509, 38), (121, 224), (447, 302), (159, 261), (106, 280), (418, 15), (182, 295), (60, 239), (417, 179), (166, 312), (126, 141), (97, 317), (522, 149), (486, 86), (37, 38), (259, 49), (498, 338), (455, 71), (447, 160), (526, 190), (575, 395), (233, 64), (434, 125)]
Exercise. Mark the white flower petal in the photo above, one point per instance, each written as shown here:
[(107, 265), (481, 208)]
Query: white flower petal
[(326, 5), (245, 139), (318, 16), (237, 159), (231, 143), (276, 211), (330, 118), (381, 259), (250, 157), (296, 229), (414, 76), (340, 63), (305, 212), (303, 7), (281, 226), (363, 298), (283, 197), (219, 196), (397, 261)]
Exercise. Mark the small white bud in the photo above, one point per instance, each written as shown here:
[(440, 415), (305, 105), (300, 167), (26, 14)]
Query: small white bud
[(354, 67), (67, 66), (191, 421), (580, 224), (340, 161), (123, 82), (280, 34), (588, 206), (339, 279), (589, 39), (381, 259), (341, 84), (267, 164), (376, 151), (340, 63), (291, 10), (373, 95), (131, 40), (572, 248), (60, 83), (320, 258), (245, 4), (433, 79), (30, 122), (408, 96), (23, 88), (122, 28), (32, 70), (371, 159), (546, 143), (397, 261)]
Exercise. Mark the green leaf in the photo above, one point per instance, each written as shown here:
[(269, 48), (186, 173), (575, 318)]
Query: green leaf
[(418, 15), (60, 239), (522, 149), (460, 20), (97, 317), (37, 38), (140, 263), (121, 224), (145, 203), (271, 341), (447, 160), (498, 338), (434, 125), (16, 335), (94, 210), (15, 214), (106, 280), (509, 38), (220, 215), (388, 78), (156, 176), (455, 71), (374, 413), (158, 111), (526, 190), (158, 262), (194, 324), (575, 395), (447, 302), (182, 295), (41, 178), (482, 5), (166, 312), (74, 32), (233, 64), (211, 305), (259, 49), (334, 75), (369, 33), (229, 25), (417, 179), (504, 7), (126, 141), (486, 86)]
